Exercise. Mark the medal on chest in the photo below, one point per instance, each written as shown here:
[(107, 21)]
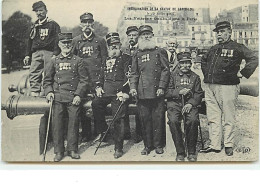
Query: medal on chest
[(88, 50), (227, 52), (110, 64), (64, 66), (145, 58), (44, 33), (185, 81)]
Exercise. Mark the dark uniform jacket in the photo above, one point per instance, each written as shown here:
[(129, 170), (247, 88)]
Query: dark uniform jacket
[(222, 63), (93, 50), (44, 37), (149, 72), (66, 77), (113, 77), (130, 51), (179, 81)]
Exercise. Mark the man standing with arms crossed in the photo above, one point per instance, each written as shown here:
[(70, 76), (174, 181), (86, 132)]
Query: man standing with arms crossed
[(92, 49), (221, 70)]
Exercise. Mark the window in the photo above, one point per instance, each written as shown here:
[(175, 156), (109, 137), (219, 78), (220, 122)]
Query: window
[(186, 43), (199, 28), (192, 28)]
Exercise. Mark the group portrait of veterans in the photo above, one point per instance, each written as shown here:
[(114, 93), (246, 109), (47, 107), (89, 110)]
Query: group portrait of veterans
[(66, 70)]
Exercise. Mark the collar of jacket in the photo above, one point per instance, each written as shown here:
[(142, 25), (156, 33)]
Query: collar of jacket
[(225, 43), (90, 38), (114, 57), (38, 23), (62, 57), (181, 73)]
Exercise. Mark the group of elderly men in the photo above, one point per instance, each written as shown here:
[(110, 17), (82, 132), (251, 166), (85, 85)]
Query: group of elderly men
[(142, 73)]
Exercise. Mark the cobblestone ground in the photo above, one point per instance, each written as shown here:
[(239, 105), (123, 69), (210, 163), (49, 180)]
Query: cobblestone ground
[(20, 137)]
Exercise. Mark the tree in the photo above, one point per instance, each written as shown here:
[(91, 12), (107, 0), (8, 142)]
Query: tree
[(15, 34)]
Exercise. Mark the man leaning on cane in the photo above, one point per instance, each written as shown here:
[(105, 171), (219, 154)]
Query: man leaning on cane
[(65, 81), (183, 95)]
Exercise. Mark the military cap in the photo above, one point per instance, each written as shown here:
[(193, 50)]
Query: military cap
[(144, 28), (86, 16), (38, 5), (131, 28), (222, 24), (65, 36), (184, 56), (112, 38)]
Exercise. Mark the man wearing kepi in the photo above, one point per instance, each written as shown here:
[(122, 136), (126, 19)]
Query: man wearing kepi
[(65, 81), (112, 88), (132, 36), (42, 45), (183, 95), (221, 70), (148, 80), (92, 49)]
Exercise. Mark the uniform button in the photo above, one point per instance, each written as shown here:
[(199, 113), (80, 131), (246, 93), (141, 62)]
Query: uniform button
[(79, 42), (58, 78), (155, 86), (96, 57), (96, 65), (115, 69), (80, 50), (155, 70), (74, 59), (155, 78), (177, 87), (71, 85), (114, 74), (96, 41), (73, 71), (59, 84), (57, 71), (72, 78), (70, 91)]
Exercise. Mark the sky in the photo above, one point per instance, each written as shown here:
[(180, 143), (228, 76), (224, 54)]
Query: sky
[(107, 12)]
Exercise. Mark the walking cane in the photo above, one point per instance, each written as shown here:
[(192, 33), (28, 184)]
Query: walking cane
[(184, 122), (109, 127), (47, 131)]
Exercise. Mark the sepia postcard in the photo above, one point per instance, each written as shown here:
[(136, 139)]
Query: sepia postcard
[(195, 29)]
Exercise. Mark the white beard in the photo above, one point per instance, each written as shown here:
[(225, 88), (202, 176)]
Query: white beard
[(114, 52), (146, 44)]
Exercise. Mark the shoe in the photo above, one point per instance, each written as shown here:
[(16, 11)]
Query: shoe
[(180, 157), (127, 136), (118, 154), (138, 139), (207, 150), (159, 150), (58, 157), (85, 139), (192, 157), (146, 151), (73, 155), (229, 151)]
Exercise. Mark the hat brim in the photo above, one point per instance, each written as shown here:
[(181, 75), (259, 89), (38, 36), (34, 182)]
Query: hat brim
[(220, 27), (128, 31), (186, 59), (145, 31), (62, 40)]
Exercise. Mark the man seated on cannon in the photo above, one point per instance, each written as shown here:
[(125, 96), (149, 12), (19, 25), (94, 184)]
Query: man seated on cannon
[(183, 95), (113, 88), (65, 82)]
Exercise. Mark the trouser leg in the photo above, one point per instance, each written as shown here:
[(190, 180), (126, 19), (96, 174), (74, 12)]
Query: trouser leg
[(191, 128), (229, 99), (118, 123), (146, 122), (175, 117), (73, 127), (127, 123), (214, 116), (35, 71), (85, 124), (58, 126), (157, 106), (99, 111)]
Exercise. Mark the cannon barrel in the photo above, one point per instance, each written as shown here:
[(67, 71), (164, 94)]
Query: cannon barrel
[(27, 105)]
